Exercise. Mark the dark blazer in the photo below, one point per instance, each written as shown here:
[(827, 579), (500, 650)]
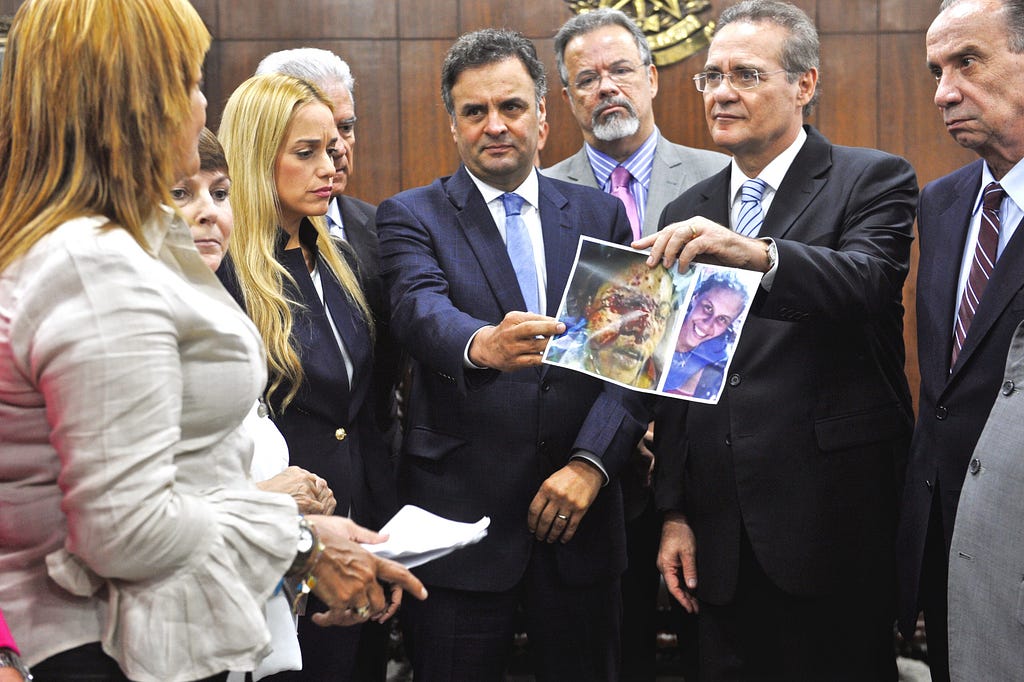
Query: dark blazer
[(803, 447), (361, 232), (329, 425), (953, 406), (481, 442)]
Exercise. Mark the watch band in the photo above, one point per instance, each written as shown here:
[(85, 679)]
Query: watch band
[(10, 659)]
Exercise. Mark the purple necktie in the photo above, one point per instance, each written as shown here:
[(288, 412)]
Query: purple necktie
[(620, 189), (985, 254)]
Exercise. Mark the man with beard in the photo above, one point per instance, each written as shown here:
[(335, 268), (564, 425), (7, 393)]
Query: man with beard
[(609, 81)]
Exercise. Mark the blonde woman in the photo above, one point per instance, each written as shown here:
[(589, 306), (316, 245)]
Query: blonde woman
[(305, 298), (132, 545)]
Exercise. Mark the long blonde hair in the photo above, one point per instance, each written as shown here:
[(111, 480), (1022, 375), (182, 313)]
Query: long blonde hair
[(90, 91), (253, 128)]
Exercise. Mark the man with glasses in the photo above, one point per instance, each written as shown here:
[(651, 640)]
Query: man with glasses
[(781, 499), (609, 82)]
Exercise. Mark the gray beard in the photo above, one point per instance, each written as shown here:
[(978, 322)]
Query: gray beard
[(616, 127)]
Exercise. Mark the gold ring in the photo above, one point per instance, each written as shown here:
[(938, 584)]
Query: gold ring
[(363, 611), (693, 232), (562, 516)]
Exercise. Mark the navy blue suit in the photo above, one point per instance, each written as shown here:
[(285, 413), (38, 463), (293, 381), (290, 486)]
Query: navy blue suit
[(481, 442), (330, 428), (953, 405)]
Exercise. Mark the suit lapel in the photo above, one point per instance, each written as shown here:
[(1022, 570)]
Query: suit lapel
[(580, 171), (355, 225), (668, 176), (561, 237), (805, 178), (477, 225)]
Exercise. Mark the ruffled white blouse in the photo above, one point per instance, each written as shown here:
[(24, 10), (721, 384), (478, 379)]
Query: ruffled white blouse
[(127, 515)]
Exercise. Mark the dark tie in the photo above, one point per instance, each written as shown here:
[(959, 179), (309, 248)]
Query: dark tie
[(985, 254), (520, 250), (620, 189), (751, 214)]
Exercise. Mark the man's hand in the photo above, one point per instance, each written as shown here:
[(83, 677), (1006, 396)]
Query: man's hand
[(677, 560), (308, 490), (348, 578), (686, 240), (563, 500), (517, 342)]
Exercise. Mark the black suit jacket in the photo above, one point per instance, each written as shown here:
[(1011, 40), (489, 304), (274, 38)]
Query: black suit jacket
[(801, 451), (953, 406), (329, 425), (481, 442)]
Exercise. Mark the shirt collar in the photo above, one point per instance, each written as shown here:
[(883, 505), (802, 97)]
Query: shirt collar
[(529, 190), (334, 211), (774, 172), (1012, 183), (639, 164)]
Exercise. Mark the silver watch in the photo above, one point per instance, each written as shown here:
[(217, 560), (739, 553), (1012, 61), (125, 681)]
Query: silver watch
[(9, 659)]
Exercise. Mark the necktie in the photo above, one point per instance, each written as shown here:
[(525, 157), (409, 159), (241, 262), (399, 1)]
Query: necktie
[(982, 265), (751, 215), (520, 250), (334, 228), (620, 189)]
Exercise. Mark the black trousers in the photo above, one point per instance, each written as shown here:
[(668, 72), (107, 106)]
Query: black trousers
[(573, 631), (87, 663), (767, 635)]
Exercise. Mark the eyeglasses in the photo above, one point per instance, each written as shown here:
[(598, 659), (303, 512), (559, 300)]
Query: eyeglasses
[(621, 74), (740, 79), (347, 126)]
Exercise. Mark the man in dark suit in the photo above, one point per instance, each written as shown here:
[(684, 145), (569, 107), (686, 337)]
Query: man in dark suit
[(492, 432), (975, 51), (609, 81), (781, 499)]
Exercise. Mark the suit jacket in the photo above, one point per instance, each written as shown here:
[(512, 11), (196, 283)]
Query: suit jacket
[(986, 608), (801, 451), (953, 405), (329, 425), (481, 442), (361, 231), (675, 168)]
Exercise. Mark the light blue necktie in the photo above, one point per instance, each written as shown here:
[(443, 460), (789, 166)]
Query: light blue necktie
[(520, 249), (751, 215)]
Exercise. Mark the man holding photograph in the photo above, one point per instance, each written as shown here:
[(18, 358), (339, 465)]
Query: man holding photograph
[(781, 499)]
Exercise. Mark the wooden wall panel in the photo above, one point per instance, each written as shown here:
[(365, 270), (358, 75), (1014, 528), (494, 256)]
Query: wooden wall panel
[(846, 110), (847, 16), (427, 148), (427, 18), (309, 19)]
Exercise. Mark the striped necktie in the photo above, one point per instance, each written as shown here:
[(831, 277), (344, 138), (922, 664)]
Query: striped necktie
[(751, 215), (985, 254)]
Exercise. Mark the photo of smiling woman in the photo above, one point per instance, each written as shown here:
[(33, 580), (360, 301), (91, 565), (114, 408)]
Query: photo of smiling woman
[(709, 330)]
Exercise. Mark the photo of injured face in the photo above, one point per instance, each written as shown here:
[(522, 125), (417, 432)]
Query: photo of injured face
[(652, 329)]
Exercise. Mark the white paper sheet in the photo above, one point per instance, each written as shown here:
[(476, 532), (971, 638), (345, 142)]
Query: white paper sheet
[(417, 536)]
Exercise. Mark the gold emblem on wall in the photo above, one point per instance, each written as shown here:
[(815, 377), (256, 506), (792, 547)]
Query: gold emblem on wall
[(673, 29)]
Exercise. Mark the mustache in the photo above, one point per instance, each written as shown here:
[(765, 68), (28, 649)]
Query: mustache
[(613, 102)]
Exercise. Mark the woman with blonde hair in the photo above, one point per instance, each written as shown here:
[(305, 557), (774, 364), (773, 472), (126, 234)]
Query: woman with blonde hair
[(132, 543), (304, 296)]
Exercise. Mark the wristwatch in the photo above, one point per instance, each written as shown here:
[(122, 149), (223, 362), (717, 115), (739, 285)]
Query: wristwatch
[(10, 659), (772, 252), (304, 549)]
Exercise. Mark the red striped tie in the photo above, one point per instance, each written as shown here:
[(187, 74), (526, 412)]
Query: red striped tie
[(981, 267)]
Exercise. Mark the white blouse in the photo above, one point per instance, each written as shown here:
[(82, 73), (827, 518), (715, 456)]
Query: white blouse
[(127, 515)]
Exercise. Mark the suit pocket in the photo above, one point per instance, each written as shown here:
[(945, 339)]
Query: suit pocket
[(860, 428), (429, 444)]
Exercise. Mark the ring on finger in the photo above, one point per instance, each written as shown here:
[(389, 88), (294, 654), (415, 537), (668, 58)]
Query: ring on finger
[(562, 516), (693, 233), (363, 611)]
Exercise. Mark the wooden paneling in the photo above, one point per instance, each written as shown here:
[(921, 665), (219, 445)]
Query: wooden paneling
[(846, 110), (427, 148), (535, 19), (900, 15), (847, 16), (427, 18), (308, 19)]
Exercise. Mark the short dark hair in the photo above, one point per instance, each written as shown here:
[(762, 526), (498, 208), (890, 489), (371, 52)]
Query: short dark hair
[(489, 46), (800, 53), (1014, 21), (211, 153), (582, 24)]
